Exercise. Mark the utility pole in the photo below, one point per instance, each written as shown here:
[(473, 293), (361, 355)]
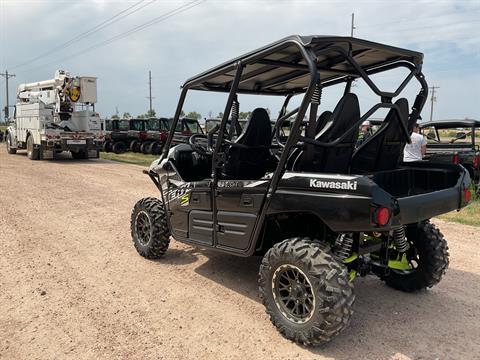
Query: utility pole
[(432, 100), (150, 97), (6, 75), (353, 25)]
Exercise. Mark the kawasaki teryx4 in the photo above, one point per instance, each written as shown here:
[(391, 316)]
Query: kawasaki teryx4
[(320, 211)]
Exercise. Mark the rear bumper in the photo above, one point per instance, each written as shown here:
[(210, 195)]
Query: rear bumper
[(50, 147)]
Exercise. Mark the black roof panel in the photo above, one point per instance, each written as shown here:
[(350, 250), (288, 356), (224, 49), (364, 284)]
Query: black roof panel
[(451, 123), (279, 68)]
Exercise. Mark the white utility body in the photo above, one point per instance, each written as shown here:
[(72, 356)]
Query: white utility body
[(57, 115)]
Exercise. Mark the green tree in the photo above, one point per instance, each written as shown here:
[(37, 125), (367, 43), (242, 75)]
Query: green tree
[(151, 113), (182, 114), (194, 115), (115, 117), (220, 115), (244, 114), (142, 116), (126, 115)]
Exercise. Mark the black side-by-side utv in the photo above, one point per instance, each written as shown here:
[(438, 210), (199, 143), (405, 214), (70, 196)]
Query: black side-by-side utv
[(318, 210)]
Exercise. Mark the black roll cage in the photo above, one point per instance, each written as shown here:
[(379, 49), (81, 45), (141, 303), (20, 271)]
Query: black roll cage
[(309, 55)]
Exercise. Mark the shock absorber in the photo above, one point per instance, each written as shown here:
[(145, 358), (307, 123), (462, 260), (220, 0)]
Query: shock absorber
[(401, 243), (317, 95), (343, 246)]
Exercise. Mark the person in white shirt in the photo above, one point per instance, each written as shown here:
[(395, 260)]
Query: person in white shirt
[(417, 148)]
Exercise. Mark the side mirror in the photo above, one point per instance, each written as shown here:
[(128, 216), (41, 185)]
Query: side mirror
[(461, 135), (431, 136)]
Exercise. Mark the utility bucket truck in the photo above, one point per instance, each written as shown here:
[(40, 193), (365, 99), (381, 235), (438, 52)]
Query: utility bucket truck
[(56, 115)]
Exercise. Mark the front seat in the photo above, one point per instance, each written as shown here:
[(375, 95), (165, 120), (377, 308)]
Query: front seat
[(383, 150), (335, 159), (249, 156)]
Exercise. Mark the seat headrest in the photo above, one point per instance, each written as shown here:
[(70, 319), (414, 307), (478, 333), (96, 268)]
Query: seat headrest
[(322, 120), (258, 129)]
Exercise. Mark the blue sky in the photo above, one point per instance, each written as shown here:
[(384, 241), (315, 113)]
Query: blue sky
[(447, 32)]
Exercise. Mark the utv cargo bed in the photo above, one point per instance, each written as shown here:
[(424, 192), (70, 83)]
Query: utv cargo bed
[(424, 191)]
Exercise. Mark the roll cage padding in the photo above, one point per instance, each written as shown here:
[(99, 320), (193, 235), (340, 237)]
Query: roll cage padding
[(384, 149), (335, 159), (248, 157)]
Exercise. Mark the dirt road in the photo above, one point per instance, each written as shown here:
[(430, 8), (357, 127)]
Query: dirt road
[(72, 285)]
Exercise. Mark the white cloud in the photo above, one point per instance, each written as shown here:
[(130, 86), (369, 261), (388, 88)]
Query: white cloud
[(215, 31)]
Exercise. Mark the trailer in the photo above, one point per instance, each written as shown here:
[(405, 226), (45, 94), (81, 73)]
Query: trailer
[(56, 115)]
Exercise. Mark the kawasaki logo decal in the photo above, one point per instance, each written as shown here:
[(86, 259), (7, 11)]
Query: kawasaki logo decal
[(336, 185)]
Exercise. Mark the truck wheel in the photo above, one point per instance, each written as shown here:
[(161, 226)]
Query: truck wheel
[(107, 146), (32, 153), (426, 260), (155, 148), (10, 150), (135, 146), (306, 291), (144, 147), (149, 229), (119, 147)]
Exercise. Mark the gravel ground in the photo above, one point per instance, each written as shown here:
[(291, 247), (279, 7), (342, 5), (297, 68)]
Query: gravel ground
[(73, 286)]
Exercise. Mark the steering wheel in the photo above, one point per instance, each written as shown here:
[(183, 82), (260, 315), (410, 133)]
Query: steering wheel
[(199, 148)]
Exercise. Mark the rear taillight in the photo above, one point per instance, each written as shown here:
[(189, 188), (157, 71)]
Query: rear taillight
[(467, 196), (476, 161), (381, 216), (456, 159)]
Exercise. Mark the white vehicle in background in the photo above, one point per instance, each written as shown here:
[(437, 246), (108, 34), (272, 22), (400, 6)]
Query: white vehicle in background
[(56, 115)]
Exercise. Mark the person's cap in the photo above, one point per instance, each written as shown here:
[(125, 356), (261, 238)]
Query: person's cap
[(366, 123)]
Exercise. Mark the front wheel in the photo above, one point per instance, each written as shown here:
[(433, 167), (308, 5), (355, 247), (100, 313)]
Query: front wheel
[(10, 149), (306, 291), (425, 262), (149, 229)]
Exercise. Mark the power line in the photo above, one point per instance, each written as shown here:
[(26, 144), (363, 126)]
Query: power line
[(127, 33), (117, 17)]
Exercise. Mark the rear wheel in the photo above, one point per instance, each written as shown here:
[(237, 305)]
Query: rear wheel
[(424, 263), (144, 147), (107, 146), (135, 146), (10, 149), (155, 148), (32, 153), (119, 147), (305, 291), (149, 229)]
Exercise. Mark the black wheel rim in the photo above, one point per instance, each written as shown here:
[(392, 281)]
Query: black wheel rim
[(143, 228), (293, 293)]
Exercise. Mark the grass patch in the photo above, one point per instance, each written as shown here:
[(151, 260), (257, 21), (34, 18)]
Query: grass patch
[(130, 158), (468, 216)]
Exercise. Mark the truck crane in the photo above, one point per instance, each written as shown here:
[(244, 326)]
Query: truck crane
[(56, 115)]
